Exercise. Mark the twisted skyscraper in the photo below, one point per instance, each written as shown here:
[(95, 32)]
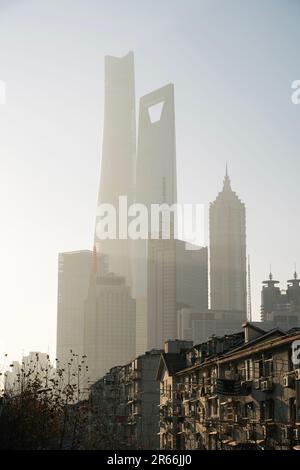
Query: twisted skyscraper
[(118, 155)]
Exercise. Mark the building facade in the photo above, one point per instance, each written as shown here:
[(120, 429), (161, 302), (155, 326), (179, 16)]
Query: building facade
[(197, 326), (239, 391), (35, 366), (118, 157), (74, 271), (281, 308), (227, 226), (156, 183), (109, 326), (177, 278), (127, 398)]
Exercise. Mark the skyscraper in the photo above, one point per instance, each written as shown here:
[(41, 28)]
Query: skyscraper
[(161, 294), (191, 276), (74, 271), (270, 297), (118, 155), (177, 278), (156, 162), (109, 325), (156, 183), (293, 290), (281, 308), (227, 222)]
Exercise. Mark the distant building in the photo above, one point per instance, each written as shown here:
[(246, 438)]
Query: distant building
[(109, 327), (156, 183), (161, 296), (177, 278), (74, 272), (227, 225), (238, 391), (127, 398), (281, 308), (270, 296), (34, 365), (197, 325), (191, 276), (293, 290), (118, 156)]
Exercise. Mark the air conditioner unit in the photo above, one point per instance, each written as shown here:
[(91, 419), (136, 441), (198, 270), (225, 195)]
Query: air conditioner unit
[(297, 374), (288, 381), (297, 433), (266, 385), (256, 384)]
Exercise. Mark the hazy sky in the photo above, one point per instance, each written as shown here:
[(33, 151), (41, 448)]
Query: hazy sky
[(232, 63)]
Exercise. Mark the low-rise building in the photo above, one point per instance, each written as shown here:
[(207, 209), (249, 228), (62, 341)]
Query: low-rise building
[(231, 392), (36, 365), (127, 404)]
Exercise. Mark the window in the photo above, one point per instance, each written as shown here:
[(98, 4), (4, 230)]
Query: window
[(258, 369), (292, 409), (250, 410), (267, 410), (248, 369), (212, 407), (155, 111), (268, 367)]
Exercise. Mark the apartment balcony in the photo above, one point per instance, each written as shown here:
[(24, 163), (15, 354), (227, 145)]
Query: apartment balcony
[(131, 420), (132, 376), (136, 375)]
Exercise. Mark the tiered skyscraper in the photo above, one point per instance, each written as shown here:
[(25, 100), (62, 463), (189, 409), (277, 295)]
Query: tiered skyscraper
[(227, 224)]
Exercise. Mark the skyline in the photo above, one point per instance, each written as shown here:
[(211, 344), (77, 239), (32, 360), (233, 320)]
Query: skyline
[(48, 120)]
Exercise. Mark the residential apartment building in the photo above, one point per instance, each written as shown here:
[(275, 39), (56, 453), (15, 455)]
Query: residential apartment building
[(238, 391), (126, 402), (35, 366)]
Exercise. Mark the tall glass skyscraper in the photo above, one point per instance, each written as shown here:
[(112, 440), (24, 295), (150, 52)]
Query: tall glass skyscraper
[(118, 155)]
